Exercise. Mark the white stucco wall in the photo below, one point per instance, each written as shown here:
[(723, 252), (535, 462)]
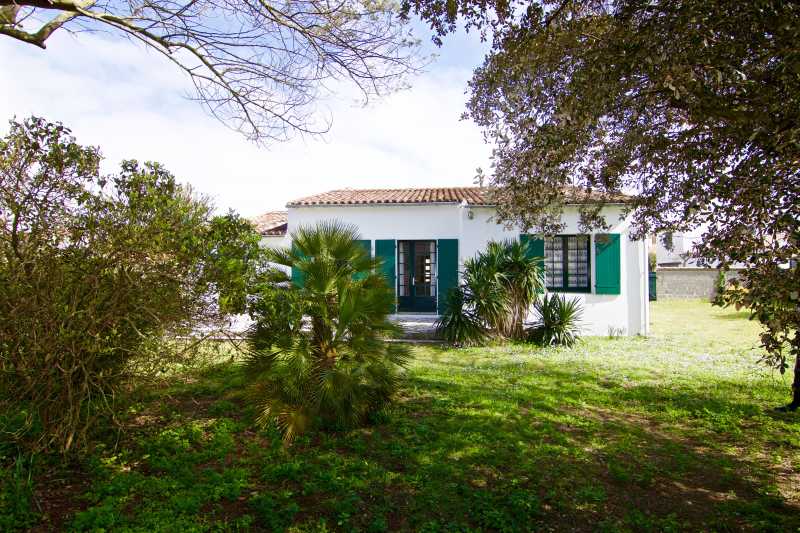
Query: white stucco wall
[(275, 241), (626, 313)]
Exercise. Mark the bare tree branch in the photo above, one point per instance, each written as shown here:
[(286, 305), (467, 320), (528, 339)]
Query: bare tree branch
[(257, 66)]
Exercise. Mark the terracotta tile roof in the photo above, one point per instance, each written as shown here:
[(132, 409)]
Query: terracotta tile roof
[(272, 223), (470, 195)]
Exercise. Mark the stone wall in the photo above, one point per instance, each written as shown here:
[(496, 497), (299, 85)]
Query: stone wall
[(688, 282)]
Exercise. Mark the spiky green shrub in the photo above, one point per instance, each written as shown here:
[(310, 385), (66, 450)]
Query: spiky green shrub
[(459, 324), (319, 356), (559, 321), (500, 286)]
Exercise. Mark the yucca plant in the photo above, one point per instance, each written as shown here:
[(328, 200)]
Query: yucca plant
[(460, 324), (559, 321), (484, 291), (522, 281), (500, 286), (318, 351)]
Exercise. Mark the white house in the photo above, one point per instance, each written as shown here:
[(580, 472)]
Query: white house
[(424, 235), (681, 253), (681, 250)]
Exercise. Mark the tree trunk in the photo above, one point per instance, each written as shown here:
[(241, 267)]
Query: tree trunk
[(796, 381), (795, 385)]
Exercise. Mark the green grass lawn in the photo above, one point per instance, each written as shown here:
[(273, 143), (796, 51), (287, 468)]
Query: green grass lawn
[(668, 433)]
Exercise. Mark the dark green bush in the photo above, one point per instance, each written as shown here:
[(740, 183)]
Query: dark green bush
[(500, 285), (16, 496), (96, 274)]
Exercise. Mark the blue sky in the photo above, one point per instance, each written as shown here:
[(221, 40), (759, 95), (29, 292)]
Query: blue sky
[(130, 102)]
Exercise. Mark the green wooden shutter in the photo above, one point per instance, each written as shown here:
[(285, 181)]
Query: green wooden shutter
[(298, 277), (385, 250), (367, 245), (535, 249), (607, 270), (447, 277)]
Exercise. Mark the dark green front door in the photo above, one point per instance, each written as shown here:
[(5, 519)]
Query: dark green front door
[(416, 276)]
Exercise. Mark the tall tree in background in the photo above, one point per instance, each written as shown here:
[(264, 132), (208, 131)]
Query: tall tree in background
[(257, 66), (693, 104)]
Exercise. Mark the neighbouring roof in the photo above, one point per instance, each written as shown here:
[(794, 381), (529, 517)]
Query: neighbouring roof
[(427, 195), (272, 223)]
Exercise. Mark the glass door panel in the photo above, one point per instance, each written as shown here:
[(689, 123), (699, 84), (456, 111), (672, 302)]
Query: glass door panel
[(416, 280)]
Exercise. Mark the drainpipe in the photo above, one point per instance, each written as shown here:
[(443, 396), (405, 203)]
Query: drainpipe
[(462, 212)]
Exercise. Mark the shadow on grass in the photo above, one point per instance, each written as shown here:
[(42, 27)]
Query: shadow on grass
[(475, 448), (487, 449), (737, 315), (564, 452)]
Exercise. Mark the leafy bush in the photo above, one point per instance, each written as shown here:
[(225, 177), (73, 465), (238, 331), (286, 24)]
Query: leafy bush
[(16, 496), (720, 285), (318, 353), (500, 285), (459, 324), (95, 271), (559, 321), (730, 293)]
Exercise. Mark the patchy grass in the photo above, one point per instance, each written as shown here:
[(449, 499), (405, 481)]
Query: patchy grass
[(668, 433)]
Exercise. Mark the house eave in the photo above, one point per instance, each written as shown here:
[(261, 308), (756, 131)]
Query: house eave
[(370, 204), (417, 204)]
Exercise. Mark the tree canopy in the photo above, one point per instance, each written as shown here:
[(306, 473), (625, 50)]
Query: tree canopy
[(691, 105), (257, 66)]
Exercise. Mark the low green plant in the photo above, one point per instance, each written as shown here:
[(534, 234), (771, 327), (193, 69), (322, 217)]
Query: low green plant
[(459, 324), (559, 321), (318, 355), (16, 495), (720, 286)]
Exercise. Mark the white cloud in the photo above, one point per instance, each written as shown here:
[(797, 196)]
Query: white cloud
[(128, 101)]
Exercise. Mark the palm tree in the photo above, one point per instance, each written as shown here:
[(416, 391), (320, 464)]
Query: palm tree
[(318, 351)]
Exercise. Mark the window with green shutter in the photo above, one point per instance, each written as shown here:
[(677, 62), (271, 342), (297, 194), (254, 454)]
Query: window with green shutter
[(607, 269), (566, 261), (535, 248)]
